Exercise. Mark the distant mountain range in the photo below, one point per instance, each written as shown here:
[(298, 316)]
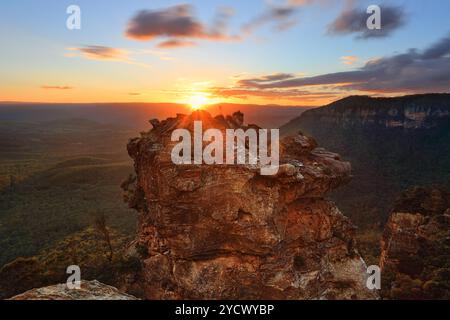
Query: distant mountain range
[(392, 143), (136, 115)]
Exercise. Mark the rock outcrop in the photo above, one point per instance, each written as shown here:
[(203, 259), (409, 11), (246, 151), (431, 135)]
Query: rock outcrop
[(90, 290), (415, 249), (227, 232)]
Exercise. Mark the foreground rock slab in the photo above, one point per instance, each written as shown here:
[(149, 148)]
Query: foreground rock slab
[(227, 232), (90, 290)]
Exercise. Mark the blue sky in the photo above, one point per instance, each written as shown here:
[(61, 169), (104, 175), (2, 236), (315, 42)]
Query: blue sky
[(44, 61)]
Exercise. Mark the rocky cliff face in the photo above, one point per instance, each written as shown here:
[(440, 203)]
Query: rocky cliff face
[(90, 290), (415, 248), (409, 112), (226, 232)]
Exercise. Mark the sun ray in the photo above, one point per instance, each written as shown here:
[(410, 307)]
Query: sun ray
[(198, 100)]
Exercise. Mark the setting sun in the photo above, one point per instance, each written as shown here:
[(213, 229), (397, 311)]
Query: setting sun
[(198, 101)]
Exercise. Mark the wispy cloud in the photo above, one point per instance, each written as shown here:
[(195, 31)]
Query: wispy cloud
[(349, 60), (47, 87), (283, 17), (266, 79), (354, 21), (273, 77), (95, 52), (103, 53), (175, 43), (270, 94)]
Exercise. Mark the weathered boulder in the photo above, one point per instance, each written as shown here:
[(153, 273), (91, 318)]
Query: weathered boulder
[(415, 249), (227, 232), (90, 290)]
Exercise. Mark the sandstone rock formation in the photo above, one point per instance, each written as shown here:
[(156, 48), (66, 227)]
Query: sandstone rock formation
[(90, 290), (226, 232), (415, 249)]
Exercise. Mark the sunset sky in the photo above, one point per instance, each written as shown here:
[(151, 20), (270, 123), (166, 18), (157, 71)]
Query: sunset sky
[(289, 52)]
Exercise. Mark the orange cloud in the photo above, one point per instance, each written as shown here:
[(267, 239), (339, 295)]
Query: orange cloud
[(274, 94), (102, 53), (349, 60), (56, 87), (175, 43)]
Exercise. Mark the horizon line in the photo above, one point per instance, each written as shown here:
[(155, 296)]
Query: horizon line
[(223, 103)]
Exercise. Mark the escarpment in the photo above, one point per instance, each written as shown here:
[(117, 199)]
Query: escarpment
[(228, 232), (408, 113)]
